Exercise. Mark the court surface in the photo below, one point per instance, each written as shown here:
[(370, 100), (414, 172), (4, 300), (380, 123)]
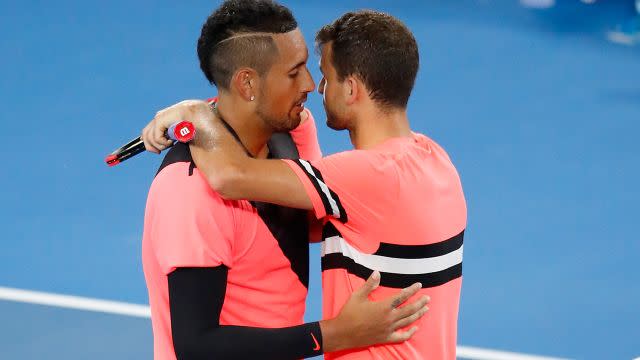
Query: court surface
[(538, 111)]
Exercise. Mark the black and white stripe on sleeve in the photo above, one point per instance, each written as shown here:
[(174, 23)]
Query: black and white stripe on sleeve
[(330, 199)]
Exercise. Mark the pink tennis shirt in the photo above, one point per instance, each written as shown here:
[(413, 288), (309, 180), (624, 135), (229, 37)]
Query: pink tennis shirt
[(187, 224), (397, 208)]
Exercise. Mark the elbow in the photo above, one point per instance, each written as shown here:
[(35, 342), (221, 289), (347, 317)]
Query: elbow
[(201, 348), (186, 349), (226, 180)]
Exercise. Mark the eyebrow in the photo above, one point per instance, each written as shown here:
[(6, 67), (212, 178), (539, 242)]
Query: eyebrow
[(301, 63)]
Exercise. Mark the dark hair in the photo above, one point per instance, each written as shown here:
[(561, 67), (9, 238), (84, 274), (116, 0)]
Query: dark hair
[(221, 47), (377, 48)]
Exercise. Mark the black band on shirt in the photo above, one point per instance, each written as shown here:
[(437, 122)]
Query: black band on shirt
[(421, 251), (392, 280), (329, 197), (196, 296), (362, 265)]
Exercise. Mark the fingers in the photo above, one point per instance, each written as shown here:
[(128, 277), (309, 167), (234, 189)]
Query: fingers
[(402, 296), (400, 336), (153, 136), (146, 139), (371, 284), (154, 143), (412, 308), (410, 319), (156, 135), (160, 139)]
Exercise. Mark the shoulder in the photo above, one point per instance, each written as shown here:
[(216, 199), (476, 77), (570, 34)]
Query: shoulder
[(181, 190), (182, 205), (358, 163), (431, 146), (351, 171), (182, 178)]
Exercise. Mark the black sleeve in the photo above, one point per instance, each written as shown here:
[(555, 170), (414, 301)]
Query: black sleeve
[(196, 296)]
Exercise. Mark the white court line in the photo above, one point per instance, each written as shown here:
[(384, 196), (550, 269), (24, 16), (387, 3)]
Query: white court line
[(474, 353), (74, 302), (143, 311)]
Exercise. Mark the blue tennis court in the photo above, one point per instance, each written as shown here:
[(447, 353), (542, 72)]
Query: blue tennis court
[(539, 112)]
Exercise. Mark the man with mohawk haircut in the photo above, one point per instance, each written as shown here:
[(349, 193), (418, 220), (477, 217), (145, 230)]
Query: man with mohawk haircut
[(228, 279)]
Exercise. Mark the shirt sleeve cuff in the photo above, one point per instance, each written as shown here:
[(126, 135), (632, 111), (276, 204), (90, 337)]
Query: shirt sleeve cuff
[(303, 176)]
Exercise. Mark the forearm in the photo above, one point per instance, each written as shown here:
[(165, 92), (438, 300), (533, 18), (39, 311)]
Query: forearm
[(270, 181), (241, 177), (196, 296), (237, 342)]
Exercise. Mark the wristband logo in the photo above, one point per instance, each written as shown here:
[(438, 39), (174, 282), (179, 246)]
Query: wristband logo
[(316, 342)]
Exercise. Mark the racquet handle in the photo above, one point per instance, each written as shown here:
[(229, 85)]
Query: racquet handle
[(183, 131)]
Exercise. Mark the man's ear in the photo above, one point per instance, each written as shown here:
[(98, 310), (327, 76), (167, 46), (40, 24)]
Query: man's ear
[(246, 81), (353, 88)]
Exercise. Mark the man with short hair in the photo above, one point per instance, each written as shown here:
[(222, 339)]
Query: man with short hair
[(394, 204), (228, 279)]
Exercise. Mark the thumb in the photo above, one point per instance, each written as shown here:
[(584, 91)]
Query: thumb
[(371, 284)]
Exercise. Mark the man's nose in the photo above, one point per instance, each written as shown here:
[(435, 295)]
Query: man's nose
[(309, 84), (321, 86)]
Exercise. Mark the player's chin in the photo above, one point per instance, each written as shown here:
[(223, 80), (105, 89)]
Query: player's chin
[(334, 125), (297, 109), (295, 116)]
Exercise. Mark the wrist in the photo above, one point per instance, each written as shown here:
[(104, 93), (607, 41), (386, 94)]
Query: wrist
[(203, 112), (333, 336), (202, 118)]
